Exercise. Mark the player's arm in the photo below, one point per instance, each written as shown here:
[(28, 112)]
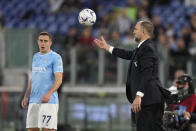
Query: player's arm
[(26, 96), (56, 85)]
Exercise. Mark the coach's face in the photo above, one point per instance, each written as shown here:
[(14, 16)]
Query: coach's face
[(44, 43), (138, 32)]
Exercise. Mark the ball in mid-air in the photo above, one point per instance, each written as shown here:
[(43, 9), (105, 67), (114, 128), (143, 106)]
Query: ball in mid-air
[(87, 17)]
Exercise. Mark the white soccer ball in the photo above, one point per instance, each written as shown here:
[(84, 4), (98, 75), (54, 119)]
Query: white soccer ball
[(87, 17)]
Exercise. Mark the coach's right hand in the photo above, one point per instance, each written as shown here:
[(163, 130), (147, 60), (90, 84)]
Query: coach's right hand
[(101, 43), (24, 102)]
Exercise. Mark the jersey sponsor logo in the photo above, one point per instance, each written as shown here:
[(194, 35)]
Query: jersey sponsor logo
[(38, 69)]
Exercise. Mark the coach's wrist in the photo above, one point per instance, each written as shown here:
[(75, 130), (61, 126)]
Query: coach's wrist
[(107, 47), (111, 49), (137, 96), (141, 94)]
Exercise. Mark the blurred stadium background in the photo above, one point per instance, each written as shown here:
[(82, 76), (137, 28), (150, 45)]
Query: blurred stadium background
[(92, 97)]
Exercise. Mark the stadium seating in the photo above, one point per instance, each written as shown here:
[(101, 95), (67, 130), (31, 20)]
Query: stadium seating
[(28, 14), (176, 13)]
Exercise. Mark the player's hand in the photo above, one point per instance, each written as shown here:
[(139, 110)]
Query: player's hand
[(101, 43), (24, 102), (136, 106), (46, 98)]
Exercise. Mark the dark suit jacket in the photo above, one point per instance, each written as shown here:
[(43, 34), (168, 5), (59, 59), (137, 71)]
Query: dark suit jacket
[(143, 73)]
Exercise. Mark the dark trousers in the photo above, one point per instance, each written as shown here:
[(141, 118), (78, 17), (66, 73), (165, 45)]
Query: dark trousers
[(150, 118)]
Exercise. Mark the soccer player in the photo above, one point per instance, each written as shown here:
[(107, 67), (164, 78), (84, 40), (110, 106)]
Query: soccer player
[(47, 69)]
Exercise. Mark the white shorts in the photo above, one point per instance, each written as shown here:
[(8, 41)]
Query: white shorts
[(42, 115)]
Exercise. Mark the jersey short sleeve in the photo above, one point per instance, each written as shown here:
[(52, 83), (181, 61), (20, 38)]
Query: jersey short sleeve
[(58, 64)]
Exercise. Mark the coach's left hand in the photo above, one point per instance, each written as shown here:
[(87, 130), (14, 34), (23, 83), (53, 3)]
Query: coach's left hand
[(136, 106), (46, 98)]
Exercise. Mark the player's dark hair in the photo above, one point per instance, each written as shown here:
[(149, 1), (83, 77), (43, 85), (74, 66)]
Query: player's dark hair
[(148, 26), (47, 34)]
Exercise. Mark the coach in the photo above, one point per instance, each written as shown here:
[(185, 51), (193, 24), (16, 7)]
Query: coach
[(142, 85)]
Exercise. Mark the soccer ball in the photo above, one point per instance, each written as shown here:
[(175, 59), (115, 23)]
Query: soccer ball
[(87, 17)]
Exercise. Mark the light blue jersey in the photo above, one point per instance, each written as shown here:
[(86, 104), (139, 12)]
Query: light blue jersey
[(43, 77)]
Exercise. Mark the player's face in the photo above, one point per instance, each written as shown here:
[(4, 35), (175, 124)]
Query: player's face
[(44, 43), (137, 32)]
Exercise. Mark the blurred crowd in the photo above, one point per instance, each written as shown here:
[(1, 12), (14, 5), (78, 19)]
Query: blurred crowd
[(116, 25), (115, 21)]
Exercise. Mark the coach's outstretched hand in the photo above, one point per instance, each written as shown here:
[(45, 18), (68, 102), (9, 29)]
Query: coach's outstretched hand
[(101, 43)]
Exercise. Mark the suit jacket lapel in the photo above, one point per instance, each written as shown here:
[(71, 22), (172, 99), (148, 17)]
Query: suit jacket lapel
[(138, 48), (135, 53)]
